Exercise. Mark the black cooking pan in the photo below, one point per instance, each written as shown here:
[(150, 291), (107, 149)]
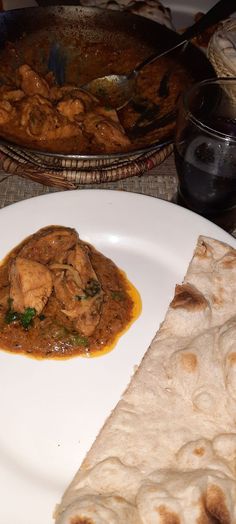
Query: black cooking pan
[(34, 30)]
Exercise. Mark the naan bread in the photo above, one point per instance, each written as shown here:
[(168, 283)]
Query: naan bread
[(167, 453)]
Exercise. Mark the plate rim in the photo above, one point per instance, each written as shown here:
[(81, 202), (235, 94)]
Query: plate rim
[(109, 196), (113, 192)]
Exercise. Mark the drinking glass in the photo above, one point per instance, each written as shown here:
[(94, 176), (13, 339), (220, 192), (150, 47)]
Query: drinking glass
[(205, 147)]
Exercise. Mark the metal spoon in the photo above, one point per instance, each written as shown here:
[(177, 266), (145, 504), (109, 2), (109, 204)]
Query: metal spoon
[(117, 90)]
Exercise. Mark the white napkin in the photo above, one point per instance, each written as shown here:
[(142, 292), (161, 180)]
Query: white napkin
[(224, 44)]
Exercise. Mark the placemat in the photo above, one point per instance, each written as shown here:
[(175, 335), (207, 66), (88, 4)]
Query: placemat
[(160, 182)]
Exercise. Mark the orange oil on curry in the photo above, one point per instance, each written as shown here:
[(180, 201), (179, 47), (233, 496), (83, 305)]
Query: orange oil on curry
[(136, 312)]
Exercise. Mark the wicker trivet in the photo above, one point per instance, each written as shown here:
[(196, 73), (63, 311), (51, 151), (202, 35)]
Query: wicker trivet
[(16, 164)]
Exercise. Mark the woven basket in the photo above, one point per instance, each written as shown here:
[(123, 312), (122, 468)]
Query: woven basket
[(70, 175), (222, 52)]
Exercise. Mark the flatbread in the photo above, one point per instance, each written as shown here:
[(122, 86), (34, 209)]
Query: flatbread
[(167, 453)]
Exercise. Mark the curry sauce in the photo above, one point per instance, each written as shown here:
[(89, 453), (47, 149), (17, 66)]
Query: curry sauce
[(45, 120), (60, 297)]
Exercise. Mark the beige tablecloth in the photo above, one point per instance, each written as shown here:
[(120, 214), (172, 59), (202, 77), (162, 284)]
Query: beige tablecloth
[(161, 182)]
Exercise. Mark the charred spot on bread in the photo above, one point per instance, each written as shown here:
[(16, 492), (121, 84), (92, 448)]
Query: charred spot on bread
[(189, 361), (189, 298), (216, 505), (81, 520), (229, 261), (167, 516)]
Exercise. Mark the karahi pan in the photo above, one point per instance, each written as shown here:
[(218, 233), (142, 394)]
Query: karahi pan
[(32, 32)]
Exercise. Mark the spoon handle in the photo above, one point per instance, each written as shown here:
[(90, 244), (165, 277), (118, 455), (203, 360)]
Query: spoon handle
[(218, 12)]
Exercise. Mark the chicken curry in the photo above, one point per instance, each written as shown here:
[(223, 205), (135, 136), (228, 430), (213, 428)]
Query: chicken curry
[(35, 112), (60, 297), (80, 44)]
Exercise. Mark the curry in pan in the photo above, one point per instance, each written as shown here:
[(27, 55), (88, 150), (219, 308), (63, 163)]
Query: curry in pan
[(60, 297), (36, 110), (37, 113)]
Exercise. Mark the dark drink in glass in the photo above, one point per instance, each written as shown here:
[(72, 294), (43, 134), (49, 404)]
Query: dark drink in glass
[(203, 190), (205, 148)]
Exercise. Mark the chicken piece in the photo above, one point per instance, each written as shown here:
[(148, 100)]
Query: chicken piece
[(107, 133), (57, 93), (7, 112), (10, 93), (76, 103), (40, 119), (30, 285), (50, 244), (73, 92), (107, 112), (29, 104), (87, 98), (71, 108), (80, 260), (87, 316), (78, 290), (31, 82)]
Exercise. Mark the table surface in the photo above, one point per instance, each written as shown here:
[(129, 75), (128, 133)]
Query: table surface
[(161, 182)]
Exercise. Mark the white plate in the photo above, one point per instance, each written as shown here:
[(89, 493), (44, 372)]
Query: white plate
[(50, 411)]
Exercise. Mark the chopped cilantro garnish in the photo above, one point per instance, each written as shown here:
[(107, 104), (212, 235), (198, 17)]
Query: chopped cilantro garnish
[(118, 295), (25, 318), (92, 288), (79, 340), (11, 316)]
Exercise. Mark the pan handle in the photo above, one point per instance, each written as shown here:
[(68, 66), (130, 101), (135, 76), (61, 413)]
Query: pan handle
[(220, 11)]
